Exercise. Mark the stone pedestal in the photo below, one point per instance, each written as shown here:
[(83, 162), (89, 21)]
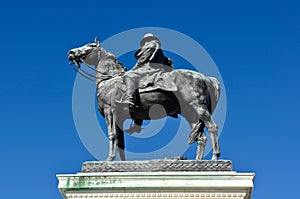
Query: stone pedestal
[(157, 179)]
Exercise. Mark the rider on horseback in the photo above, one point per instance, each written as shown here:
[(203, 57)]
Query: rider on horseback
[(150, 61), (150, 58)]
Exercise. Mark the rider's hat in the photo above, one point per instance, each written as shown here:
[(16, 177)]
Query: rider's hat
[(148, 37)]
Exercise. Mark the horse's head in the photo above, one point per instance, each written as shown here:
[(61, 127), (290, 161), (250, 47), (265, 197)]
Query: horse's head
[(105, 63), (89, 53)]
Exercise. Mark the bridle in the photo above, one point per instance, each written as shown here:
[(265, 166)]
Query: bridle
[(89, 76)]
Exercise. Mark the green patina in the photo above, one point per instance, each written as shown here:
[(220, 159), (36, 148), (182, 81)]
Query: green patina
[(85, 181), (68, 182)]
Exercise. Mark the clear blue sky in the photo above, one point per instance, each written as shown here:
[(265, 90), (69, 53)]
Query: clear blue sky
[(256, 46)]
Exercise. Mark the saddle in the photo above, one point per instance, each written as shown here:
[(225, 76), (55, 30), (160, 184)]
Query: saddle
[(156, 79)]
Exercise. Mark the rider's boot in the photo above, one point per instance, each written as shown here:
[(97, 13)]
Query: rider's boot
[(129, 98), (136, 127)]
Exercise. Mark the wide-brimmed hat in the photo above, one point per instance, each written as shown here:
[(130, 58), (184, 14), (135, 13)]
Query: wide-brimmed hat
[(148, 37)]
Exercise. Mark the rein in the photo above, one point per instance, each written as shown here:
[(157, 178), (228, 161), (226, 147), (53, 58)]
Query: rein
[(82, 74), (91, 77)]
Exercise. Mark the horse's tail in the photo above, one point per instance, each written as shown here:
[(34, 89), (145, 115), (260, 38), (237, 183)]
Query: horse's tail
[(214, 91)]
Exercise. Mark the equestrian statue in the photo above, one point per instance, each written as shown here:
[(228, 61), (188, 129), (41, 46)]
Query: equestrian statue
[(123, 94)]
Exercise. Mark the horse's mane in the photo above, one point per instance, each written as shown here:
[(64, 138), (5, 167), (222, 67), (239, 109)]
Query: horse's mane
[(121, 65)]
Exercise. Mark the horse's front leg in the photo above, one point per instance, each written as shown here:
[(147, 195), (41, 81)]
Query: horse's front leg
[(120, 142), (116, 139), (111, 136), (112, 150)]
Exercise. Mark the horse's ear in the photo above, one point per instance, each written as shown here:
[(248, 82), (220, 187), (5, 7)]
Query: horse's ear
[(97, 41)]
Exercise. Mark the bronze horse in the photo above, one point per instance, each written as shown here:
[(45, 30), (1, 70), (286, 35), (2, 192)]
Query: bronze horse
[(195, 99)]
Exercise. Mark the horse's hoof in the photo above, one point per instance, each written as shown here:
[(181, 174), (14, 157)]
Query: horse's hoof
[(110, 158), (215, 157), (199, 158)]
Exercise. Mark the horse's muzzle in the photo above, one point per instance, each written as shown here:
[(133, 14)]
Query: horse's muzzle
[(71, 55)]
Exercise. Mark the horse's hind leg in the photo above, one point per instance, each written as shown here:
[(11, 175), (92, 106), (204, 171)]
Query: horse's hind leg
[(213, 132), (197, 135), (212, 128), (201, 140)]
